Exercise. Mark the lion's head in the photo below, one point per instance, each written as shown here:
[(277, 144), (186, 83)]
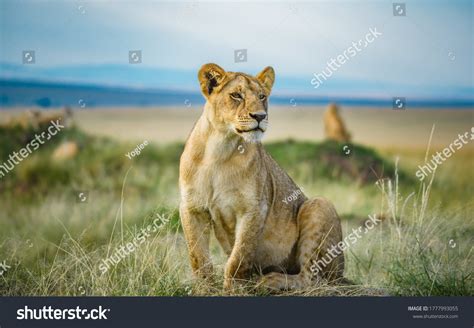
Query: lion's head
[(237, 103)]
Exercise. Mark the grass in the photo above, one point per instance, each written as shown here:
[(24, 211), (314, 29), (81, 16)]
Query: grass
[(54, 243)]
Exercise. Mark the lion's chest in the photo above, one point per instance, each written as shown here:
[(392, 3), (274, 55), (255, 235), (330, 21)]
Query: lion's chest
[(230, 196), (222, 191)]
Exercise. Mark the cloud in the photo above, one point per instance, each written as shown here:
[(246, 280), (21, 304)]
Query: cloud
[(297, 40)]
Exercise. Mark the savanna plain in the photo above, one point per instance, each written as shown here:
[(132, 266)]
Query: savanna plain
[(61, 217)]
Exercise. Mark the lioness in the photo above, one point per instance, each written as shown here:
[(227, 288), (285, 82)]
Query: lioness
[(334, 127), (230, 184)]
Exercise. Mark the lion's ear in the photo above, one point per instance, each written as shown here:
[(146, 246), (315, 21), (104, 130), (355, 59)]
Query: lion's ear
[(210, 76), (267, 78)]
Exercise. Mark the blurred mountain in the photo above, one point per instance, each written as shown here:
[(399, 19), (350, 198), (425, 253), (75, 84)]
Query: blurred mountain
[(137, 85)]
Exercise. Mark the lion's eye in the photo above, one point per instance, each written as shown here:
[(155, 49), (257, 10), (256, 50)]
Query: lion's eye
[(236, 95), (262, 97)]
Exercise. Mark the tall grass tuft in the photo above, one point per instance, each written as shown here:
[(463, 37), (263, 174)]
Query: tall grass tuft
[(416, 249)]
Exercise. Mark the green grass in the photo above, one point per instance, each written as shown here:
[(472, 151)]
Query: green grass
[(54, 243)]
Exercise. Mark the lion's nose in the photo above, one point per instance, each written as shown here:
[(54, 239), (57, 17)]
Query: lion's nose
[(259, 116)]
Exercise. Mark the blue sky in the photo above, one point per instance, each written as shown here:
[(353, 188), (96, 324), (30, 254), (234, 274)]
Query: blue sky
[(428, 53)]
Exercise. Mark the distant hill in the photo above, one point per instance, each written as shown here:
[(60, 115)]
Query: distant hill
[(51, 94), (14, 93), (136, 85)]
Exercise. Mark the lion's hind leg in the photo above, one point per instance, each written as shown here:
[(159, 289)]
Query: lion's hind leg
[(317, 253)]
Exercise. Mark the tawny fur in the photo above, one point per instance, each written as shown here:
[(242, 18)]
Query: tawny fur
[(334, 126), (231, 185), (65, 151)]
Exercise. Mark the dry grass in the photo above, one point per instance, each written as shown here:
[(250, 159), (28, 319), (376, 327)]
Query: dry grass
[(55, 244)]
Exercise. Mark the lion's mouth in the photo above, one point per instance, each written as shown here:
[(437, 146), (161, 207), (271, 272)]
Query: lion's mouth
[(257, 128)]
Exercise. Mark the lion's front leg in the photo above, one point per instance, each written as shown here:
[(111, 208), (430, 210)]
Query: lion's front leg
[(239, 264), (197, 228)]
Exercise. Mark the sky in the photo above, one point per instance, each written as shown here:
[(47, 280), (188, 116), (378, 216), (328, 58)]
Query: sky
[(429, 51)]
